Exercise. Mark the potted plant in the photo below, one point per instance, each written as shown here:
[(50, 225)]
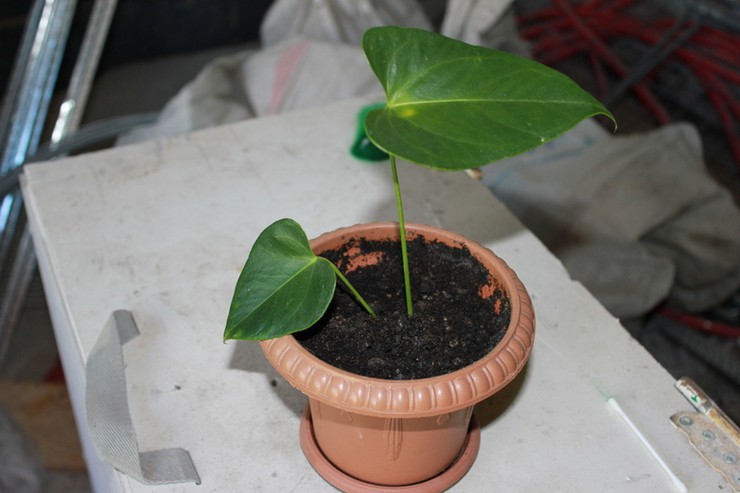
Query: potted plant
[(401, 417)]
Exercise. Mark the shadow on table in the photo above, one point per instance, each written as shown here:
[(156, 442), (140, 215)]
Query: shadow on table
[(247, 356), (499, 403)]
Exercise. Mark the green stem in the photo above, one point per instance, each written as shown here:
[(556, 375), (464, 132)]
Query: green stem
[(402, 230), (352, 289)]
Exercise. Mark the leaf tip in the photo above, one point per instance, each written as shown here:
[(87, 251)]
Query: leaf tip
[(608, 114)]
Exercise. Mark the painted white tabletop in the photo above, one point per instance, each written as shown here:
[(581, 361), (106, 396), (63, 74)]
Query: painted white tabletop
[(163, 229)]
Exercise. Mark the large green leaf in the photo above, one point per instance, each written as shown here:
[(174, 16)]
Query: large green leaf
[(283, 288), (452, 105)]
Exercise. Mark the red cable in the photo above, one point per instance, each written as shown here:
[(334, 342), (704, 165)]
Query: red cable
[(565, 30), (601, 81), (721, 98), (727, 122), (555, 42), (625, 26), (700, 323), (647, 97)]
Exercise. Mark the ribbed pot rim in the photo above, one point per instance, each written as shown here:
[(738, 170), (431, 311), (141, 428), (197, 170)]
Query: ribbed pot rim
[(421, 397)]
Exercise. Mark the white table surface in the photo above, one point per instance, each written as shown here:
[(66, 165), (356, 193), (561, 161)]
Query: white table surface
[(163, 228)]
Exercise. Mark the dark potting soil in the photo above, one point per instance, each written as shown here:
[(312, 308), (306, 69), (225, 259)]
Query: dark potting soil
[(452, 326)]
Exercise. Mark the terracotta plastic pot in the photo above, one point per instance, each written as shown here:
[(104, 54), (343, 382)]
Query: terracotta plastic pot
[(361, 433)]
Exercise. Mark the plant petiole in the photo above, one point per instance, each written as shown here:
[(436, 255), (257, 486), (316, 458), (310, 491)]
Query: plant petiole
[(402, 232), (352, 289)]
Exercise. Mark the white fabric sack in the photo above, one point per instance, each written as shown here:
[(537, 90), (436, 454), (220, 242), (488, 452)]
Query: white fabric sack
[(300, 73), (337, 21), (489, 23), (635, 218), (217, 96), (311, 57)]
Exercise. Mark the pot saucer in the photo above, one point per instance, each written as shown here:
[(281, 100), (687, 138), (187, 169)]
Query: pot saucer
[(349, 484)]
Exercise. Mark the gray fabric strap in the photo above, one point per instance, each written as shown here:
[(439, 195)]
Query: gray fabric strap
[(108, 415)]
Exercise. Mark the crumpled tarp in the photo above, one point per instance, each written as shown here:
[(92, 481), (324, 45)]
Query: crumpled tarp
[(635, 218), (21, 468)]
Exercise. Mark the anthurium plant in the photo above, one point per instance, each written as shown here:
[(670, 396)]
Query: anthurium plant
[(449, 106)]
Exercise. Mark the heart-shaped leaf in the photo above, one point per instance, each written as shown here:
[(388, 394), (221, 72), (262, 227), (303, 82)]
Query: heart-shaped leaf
[(451, 105), (283, 288)]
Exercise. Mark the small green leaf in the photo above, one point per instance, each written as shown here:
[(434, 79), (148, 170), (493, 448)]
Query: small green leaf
[(283, 288), (451, 105)]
